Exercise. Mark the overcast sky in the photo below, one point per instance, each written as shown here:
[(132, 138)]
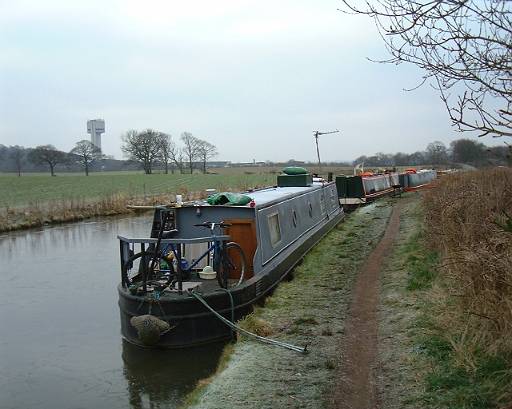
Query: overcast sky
[(255, 78)]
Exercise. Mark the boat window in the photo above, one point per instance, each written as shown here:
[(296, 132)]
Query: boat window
[(294, 218), (274, 229), (310, 210)]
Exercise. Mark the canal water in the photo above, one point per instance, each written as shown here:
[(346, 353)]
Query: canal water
[(60, 342)]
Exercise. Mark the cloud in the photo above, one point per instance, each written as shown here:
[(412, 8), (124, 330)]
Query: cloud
[(255, 74)]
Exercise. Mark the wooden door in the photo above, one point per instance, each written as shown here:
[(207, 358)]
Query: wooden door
[(243, 232)]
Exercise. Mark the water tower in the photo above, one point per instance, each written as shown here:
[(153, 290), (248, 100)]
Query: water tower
[(96, 127)]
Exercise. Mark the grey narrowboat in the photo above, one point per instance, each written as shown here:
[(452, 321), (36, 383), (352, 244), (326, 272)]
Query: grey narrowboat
[(365, 188), (413, 179), (247, 249)]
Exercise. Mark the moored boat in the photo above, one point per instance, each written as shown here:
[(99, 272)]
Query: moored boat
[(229, 255), (366, 187), (413, 179)]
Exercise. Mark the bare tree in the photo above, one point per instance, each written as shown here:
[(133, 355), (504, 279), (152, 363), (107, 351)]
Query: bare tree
[(206, 151), (467, 151), (437, 154), (464, 48), (144, 147), (85, 153), (190, 148), (18, 155), (169, 153), (48, 154), (179, 159)]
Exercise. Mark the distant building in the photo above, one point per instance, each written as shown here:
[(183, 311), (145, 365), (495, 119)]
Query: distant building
[(96, 127), (246, 164), (218, 164)]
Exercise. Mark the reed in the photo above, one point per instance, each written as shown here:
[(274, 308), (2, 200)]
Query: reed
[(468, 221), (38, 214)]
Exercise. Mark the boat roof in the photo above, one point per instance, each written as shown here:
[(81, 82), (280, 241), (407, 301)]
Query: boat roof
[(265, 196)]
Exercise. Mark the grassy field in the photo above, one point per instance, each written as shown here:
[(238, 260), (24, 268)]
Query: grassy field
[(29, 189), (38, 199), (41, 188)]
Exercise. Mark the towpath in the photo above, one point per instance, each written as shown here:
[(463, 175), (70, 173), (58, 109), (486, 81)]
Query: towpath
[(357, 381), (337, 304)]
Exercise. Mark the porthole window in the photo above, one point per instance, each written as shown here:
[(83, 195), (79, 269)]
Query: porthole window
[(274, 229), (333, 197), (322, 204)]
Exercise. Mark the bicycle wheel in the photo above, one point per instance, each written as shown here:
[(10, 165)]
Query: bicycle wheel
[(232, 265), (156, 270)]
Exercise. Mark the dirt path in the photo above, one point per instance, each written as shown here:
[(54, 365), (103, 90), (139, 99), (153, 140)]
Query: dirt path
[(356, 387)]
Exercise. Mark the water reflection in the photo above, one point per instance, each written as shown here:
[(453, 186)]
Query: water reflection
[(60, 342), (158, 377)]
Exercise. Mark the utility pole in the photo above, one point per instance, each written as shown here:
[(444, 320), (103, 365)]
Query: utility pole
[(317, 134)]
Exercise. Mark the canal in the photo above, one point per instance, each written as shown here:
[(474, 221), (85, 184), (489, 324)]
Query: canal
[(60, 342)]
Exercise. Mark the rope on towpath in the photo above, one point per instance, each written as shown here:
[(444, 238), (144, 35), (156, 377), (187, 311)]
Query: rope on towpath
[(245, 332)]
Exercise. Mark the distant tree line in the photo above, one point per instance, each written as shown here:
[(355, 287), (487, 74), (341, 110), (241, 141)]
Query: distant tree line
[(152, 149), (460, 151), (20, 159), (148, 150), (48, 158)]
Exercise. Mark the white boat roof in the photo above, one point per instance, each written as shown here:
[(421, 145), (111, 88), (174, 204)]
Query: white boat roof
[(265, 196)]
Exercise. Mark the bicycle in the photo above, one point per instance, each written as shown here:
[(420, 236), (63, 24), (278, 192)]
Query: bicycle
[(166, 266)]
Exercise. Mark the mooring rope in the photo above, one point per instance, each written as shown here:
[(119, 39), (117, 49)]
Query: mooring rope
[(232, 302), (245, 332)]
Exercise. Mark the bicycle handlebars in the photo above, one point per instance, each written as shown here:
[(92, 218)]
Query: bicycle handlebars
[(212, 225)]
